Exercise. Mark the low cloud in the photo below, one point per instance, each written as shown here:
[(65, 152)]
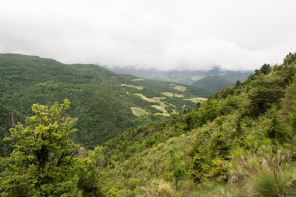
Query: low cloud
[(164, 35)]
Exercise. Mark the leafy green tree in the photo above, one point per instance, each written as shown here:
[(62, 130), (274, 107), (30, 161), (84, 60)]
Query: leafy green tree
[(276, 131), (238, 83), (209, 111), (265, 69), (293, 118), (290, 58), (89, 168), (177, 167), (210, 151), (42, 163), (263, 96)]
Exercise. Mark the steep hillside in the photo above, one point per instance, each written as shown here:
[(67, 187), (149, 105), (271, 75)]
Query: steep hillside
[(104, 103), (241, 142)]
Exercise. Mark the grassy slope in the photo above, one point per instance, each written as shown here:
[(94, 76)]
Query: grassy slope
[(100, 99), (239, 137)]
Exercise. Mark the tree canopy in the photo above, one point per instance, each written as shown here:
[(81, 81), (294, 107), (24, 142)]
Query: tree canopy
[(42, 162)]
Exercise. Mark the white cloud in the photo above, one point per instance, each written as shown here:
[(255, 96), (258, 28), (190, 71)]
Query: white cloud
[(159, 34)]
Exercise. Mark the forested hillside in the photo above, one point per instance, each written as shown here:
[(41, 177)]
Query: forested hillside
[(240, 142), (104, 103)]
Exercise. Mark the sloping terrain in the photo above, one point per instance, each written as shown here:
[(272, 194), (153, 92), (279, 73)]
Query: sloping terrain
[(239, 143), (100, 99)]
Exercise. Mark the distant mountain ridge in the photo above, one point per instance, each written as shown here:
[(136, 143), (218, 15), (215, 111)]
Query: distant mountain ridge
[(239, 142), (214, 79), (213, 82)]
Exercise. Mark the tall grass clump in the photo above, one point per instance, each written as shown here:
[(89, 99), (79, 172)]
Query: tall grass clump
[(269, 183), (270, 172), (157, 187)]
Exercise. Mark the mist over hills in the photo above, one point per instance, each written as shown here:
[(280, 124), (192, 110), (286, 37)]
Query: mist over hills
[(241, 141), (214, 79), (237, 143), (148, 98)]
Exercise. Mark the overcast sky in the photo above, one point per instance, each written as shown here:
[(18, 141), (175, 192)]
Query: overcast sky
[(162, 34)]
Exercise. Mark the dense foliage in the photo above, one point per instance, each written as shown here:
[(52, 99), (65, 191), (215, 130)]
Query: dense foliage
[(240, 142), (101, 100), (42, 163)]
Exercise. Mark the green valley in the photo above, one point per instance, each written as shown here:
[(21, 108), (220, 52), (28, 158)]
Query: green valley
[(102, 101), (147, 98), (239, 142)]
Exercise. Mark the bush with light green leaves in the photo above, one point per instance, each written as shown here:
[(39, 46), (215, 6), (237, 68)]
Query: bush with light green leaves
[(43, 160)]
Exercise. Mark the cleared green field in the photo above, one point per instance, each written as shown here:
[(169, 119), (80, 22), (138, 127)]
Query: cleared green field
[(197, 99), (138, 79), (179, 95), (162, 114), (161, 108), (153, 99), (174, 112), (169, 94), (196, 78), (178, 87), (131, 86), (138, 112)]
